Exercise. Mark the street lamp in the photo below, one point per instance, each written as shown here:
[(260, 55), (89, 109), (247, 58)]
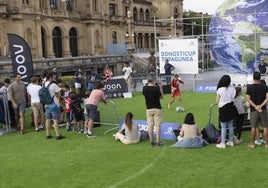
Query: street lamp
[(130, 35)]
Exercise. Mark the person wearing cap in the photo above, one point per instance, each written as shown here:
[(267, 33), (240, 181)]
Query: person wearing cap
[(263, 68)]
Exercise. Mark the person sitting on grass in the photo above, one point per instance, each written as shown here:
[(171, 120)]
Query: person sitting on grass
[(131, 131), (190, 136)]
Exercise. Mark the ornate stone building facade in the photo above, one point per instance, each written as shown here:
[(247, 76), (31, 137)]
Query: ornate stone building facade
[(69, 28)]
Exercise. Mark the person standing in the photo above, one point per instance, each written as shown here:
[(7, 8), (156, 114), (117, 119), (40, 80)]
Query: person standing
[(127, 70), (168, 68), (263, 67), (78, 80), (53, 110), (92, 79), (34, 101), (94, 98), (152, 94), (4, 89), (18, 96), (227, 111), (175, 91), (240, 104), (257, 97)]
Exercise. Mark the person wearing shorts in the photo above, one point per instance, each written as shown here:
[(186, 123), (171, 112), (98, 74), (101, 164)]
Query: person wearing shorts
[(17, 95), (257, 97), (175, 91), (94, 98), (152, 94), (78, 80), (53, 110)]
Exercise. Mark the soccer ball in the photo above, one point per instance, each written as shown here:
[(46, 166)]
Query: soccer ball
[(179, 109)]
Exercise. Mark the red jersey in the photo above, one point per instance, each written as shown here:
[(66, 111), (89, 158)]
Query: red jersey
[(108, 74), (68, 102), (175, 85)]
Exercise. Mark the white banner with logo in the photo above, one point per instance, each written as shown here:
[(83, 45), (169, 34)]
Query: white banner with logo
[(181, 53)]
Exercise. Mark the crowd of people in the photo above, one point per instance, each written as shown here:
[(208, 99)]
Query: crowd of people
[(67, 103)]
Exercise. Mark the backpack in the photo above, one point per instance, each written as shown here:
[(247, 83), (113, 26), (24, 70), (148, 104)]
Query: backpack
[(44, 95), (211, 134)]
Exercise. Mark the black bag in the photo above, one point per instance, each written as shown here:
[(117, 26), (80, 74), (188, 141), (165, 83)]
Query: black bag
[(144, 135), (210, 133)]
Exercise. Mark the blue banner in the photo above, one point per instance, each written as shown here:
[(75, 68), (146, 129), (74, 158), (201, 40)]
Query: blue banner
[(205, 88), (167, 128)]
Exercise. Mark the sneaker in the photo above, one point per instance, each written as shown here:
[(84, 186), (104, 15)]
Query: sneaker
[(41, 126), (230, 144), (258, 142), (238, 141), (90, 135), (159, 143), (168, 106), (221, 145), (152, 143), (36, 129), (49, 136), (60, 137)]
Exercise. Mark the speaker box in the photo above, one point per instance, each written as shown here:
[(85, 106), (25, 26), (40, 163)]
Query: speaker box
[(166, 89)]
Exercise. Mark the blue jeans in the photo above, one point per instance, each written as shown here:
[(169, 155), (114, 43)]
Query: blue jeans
[(230, 125)]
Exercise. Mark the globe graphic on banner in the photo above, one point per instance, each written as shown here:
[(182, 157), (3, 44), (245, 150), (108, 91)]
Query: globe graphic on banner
[(236, 34)]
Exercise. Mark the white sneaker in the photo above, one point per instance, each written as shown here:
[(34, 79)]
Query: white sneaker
[(221, 145), (258, 142), (230, 144)]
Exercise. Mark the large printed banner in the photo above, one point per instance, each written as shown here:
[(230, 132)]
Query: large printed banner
[(181, 53), (21, 57), (115, 88), (167, 128)]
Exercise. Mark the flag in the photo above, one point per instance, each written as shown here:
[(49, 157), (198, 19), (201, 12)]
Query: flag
[(21, 57)]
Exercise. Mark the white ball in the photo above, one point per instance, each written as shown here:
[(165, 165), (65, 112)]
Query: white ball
[(178, 109)]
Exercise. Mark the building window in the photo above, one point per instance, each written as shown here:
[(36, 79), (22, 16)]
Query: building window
[(25, 2), (114, 37), (53, 4), (112, 9), (95, 5), (43, 38), (135, 14), (73, 42), (141, 15), (147, 15), (69, 5), (176, 13), (57, 42)]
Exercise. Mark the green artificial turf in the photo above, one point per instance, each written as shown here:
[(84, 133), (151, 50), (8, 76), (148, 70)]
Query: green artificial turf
[(31, 160)]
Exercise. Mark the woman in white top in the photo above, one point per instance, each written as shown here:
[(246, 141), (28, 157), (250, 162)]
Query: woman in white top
[(227, 111), (131, 131)]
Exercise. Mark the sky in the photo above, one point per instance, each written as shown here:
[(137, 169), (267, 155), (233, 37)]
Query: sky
[(205, 6)]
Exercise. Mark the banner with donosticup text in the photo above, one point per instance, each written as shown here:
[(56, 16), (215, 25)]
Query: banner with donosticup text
[(181, 53), (21, 57)]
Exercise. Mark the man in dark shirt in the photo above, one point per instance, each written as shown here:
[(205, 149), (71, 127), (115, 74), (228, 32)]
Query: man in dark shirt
[(152, 94), (263, 67), (168, 68), (257, 97)]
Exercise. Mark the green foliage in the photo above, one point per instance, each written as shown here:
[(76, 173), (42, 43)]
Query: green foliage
[(31, 160)]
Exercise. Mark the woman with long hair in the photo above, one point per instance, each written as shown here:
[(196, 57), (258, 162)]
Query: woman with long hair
[(227, 111), (129, 133)]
